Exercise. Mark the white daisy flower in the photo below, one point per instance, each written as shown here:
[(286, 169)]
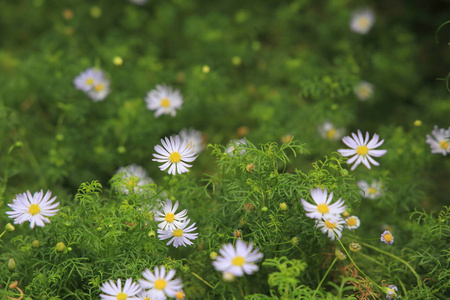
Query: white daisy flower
[(331, 225), (135, 176), (164, 100), (87, 79), (151, 295), (169, 217), (328, 131), (323, 206), (160, 283), (238, 260), (362, 21), (387, 237), (180, 235), (174, 154), (372, 191), (34, 208), (99, 90), (362, 149), (364, 90), (194, 138), (235, 145), (115, 292), (352, 222), (440, 141), (138, 2), (180, 295)]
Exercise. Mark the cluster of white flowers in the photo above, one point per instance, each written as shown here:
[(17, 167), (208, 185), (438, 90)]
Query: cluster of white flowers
[(174, 226), (94, 83), (236, 146), (328, 131), (157, 285), (327, 214), (135, 177)]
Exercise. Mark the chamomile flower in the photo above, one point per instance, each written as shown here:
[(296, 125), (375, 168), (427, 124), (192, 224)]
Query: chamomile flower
[(164, 100), (439, 141), (160, 283), (328, 131), (169, 217), (114, 291), (372, 191), (99, 90), (322, 205), (135, 177), (238, 260), (364, 90), (362, 21), (331, 225), (180, 235), (387, 237), (352, 222), (151, 295), (194, 138), (362, 149), (174, 154), (34, 208), (180, 295), (87, 79), (235, 145)]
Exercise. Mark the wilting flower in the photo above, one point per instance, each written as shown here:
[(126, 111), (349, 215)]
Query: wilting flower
[(323, 205), (391, 292), (114, 291), (169, 217), (237, 260), (362, 149), (364, 90), (331, 225), (174, 154), (235, 145), (34, 208), (328, 131), (194, 138), (387, 237), (439, 141), (371, 191), (164, 100), (352, 222), (159, 283), (180, 235), (362, 21), (135, 177)]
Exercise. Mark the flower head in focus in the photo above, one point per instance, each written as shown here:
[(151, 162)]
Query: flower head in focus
[(387, 237), (439, 140), (180, 235), (323, 205), (331, 225), (114, 291), (174, 154), (160, 283)]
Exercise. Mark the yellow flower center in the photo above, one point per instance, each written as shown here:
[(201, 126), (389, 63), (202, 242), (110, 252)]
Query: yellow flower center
[(99, 87), (371, 190), (89, 81), (170, 217), (179, 295), (165, 102), (364, 92), (160, 284), (34, 209), (178, 232), (388, 237), (323, 208), (351, 222), (121, 296), (331, 133), (329, 224), (238, 261), (444, 145), (175, 157), (362, 150), (363, 22)]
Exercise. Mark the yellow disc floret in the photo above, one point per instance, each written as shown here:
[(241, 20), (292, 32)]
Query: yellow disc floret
[(99, 87), (238, 261), (371, 191), (331, 133), (388, 237), (34, 209), (165, 102), (170, 217), (323, 208), (179, 295), (444, 144), (160, 284), (175, 157), (178, 232), (121, 296), (90, 81), (329, 224), (351, 222), (362, 150), (363, 22)]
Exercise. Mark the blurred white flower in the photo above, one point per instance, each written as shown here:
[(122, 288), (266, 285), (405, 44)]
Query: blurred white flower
[(328, 131), (159, 283), (439, 141), (352, 222), (236, 146), (138, 2), (372, 191), (87, 79), (364, 90), (164, 100), (362, 21), (114, 291), (194, 138), (135, 177), (100, 90)]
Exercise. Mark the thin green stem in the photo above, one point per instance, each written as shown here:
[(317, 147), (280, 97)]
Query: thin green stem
[(202, 280), (419, 280), (165, 186), (2, 233), (325, 276)]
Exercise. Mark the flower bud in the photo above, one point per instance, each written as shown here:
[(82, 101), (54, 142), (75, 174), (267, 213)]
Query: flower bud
[(35, 244), (60, 247), (213, 255), (355, 247), (344, 172), (118, 61), (417, 123), (10, 227), (228, 277), (339, 254), (151, 234), (283, 206), (13, 285), (206, 69), (264, 208), (294, 240), (11, 264)]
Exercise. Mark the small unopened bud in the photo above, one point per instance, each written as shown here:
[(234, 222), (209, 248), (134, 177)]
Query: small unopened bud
[(151, 234), (355, 247), (228, 277), (11, 264), (96, 12), (417, 123), (213, 255), (339, 254), (346, 214), (13, 285), (10, 227), (294, 241), (69, 248), (35, 244), (118, 61), (60, 247), (264, 208), (283, 206), (237, 233), (344, 172), (206, 69)]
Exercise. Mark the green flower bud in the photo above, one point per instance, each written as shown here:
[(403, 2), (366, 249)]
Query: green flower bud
[(60, 247), (151, 234), (283, 206), (35, 244), (11, 264), (264, 208), (213, 255), (10, 227)]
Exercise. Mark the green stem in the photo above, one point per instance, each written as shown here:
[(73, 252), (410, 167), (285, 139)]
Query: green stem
[(419, 280), (165, 186), (2, 233), (204, 281), (325, 276)]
